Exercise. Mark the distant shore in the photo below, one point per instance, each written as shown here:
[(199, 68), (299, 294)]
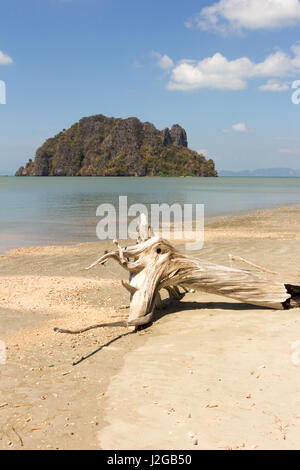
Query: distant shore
[(208, 373)]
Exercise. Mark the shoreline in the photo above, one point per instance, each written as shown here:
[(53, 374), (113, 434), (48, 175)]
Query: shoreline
[(60, 212), (210, 221), (208, 366)]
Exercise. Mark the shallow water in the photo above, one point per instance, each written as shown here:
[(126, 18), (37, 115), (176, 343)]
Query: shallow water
[(61, 210)]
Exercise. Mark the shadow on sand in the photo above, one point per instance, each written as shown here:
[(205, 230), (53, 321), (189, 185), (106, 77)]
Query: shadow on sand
[(174, 307)]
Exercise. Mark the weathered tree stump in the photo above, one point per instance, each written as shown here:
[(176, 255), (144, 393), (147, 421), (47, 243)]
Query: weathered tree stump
[(154, 264)]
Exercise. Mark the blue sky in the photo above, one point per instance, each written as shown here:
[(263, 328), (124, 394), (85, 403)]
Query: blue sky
[(222, 69)]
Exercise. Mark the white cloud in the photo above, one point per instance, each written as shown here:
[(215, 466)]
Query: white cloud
[(211, 72), (235, 15), (164, 62), (203, 152), (274, 86), (220, 73), (5, 59), (240, 127)]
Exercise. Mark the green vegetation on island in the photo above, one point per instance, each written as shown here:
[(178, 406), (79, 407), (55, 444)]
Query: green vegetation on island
[(102, 146)]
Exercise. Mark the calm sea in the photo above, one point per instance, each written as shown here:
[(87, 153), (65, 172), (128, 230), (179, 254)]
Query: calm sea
[(49, 211)]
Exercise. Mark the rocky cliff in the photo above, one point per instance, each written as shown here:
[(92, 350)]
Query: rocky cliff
[(102, 146)]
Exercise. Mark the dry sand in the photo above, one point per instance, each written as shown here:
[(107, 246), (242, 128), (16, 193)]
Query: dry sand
[(209, 373)]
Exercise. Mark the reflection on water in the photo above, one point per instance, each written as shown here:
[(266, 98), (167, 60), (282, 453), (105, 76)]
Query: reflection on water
[(60, 210)]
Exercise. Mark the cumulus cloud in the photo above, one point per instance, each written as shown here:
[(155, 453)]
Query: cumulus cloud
[(235, 15), (5, 59), (240, 127), (221, 73), (275, 86), (164, 62)]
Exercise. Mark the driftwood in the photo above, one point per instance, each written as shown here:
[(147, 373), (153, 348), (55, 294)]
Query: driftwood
[(154, 264), (260, 268)]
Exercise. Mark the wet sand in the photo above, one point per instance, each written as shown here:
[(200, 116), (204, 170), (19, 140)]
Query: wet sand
[(209, 373)]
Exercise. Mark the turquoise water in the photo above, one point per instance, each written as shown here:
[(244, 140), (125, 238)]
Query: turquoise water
[(45, 211)]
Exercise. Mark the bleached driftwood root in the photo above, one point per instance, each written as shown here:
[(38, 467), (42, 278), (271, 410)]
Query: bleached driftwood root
[(154, 264)]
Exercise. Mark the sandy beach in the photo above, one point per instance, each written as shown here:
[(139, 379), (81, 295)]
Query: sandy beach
[(209, 373)]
